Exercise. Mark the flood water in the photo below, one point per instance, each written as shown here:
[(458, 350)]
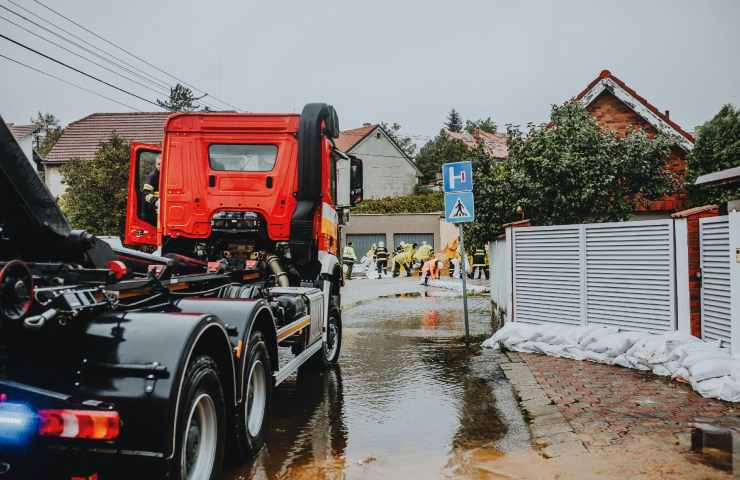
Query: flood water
[(406, 401)]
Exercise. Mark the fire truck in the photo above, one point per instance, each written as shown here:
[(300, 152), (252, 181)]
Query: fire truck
[(116, 362)]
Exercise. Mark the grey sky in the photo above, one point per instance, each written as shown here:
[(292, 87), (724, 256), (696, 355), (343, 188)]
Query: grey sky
[(404, 61)]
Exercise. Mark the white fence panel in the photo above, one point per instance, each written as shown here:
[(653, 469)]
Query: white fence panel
[(500, 262), (630, 275), (546, 274), (616, 274), (716, 317)]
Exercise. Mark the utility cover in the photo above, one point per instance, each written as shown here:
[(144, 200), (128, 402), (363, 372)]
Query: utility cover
[(459, 207)]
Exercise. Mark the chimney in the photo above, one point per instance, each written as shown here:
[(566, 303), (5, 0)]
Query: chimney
[(668, 114), (366, 124)]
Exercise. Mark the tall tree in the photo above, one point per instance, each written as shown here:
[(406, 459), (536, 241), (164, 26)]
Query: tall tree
[(394, 131), (454, 121), (439, 150), (181, 99), (569, 170), (484, 124), (96, 189), (717, 148), (47, 132)]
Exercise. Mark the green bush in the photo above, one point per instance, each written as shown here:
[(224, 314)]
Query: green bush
[(422, 203)]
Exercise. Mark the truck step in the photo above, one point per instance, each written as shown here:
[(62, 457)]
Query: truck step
[(294, 364)]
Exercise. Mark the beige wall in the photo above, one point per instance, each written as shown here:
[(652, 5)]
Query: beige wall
[(54, 180), (397, 223)]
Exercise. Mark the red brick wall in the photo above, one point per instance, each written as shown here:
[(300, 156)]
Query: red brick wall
[(611, 113), (692, 222)]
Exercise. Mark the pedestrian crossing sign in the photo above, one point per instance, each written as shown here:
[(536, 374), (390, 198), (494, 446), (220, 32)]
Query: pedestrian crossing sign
[(459, 207)]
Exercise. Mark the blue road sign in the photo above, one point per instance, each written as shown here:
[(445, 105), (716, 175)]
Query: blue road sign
[(459, 207), (457, 177)]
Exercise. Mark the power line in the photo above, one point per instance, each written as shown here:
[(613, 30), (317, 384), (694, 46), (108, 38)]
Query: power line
[(133, 54), (79, 71), (68, 82), (143, 75), (79, 55)]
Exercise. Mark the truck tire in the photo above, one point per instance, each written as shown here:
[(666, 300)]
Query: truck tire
[(328, 355), (201, 424), (258, 385)]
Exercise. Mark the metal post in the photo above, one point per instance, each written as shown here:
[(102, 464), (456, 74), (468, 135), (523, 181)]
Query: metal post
[(464, 274)]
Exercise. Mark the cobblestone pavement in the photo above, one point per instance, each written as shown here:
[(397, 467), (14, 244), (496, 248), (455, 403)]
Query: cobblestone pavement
[(605, 405)]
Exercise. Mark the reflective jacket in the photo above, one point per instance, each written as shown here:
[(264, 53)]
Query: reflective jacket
[(349, 254)]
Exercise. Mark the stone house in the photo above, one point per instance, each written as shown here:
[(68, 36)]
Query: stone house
[(388, 171)]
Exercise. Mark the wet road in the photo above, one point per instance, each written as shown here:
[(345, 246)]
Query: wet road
[(408, 399)]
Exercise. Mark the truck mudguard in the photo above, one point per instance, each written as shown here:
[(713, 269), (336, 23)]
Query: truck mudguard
[(137, 361), (240, 316)]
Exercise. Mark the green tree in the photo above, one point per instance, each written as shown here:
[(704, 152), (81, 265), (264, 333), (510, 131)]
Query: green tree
[(717, 148), (441, 149), (454, 121), (181, 99), (485, 124), (569, 170), (394, 131), (95, 199), (47, 132)]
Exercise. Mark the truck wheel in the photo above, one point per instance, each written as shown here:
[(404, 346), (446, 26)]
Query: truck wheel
[(258, 384), (328, 356), (201, 426)]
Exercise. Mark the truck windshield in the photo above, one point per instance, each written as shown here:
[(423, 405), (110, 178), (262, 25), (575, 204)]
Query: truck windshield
[(242, 157)]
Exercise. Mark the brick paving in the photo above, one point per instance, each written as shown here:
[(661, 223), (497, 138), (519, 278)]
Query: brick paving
[(605, 405)]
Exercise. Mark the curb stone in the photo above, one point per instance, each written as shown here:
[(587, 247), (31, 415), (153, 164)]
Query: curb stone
[(552, 435)]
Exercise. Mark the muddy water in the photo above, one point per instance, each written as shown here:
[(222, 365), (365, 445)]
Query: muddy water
[(407, 399)]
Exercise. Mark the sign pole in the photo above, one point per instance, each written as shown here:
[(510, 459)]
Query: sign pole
[(457, 179), (464, 274)]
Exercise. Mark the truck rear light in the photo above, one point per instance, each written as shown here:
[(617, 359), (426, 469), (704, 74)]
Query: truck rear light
[(81, 424)]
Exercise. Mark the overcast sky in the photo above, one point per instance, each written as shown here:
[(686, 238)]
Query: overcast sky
[(403, 61)]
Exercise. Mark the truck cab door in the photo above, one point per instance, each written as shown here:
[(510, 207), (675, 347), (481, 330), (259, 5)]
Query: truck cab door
[(141, 217)]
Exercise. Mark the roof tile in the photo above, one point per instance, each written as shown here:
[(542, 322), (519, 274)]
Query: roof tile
[(81, 139)]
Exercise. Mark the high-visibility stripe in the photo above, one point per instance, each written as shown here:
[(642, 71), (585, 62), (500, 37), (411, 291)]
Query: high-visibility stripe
[(292, 328)]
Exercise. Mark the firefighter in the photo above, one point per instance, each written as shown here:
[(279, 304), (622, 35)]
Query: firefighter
[(369, 260), (423, 253), (151, 192), (381, 259), (480, 263), (349, 258)]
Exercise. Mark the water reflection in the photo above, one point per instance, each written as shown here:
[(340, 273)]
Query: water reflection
[(404, 402)]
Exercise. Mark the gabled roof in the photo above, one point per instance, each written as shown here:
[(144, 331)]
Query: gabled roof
[(81, 139), (493, 143), (659, 120), (21, 131), (349, 138)]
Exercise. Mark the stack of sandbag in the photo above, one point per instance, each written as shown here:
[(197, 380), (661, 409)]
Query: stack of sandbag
[(710, 370)]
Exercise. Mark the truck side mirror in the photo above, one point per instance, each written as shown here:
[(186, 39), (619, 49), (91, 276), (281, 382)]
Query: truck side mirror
[(356, 181)]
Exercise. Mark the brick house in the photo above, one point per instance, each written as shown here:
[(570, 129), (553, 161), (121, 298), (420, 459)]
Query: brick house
[(620, 108), (82, 138)]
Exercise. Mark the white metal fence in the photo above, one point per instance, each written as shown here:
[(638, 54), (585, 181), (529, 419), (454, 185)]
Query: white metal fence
[(716, 306), (618, 274), (500, 277)]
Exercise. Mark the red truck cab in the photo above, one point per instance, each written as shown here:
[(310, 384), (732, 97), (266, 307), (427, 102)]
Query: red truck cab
[(220, 170)]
